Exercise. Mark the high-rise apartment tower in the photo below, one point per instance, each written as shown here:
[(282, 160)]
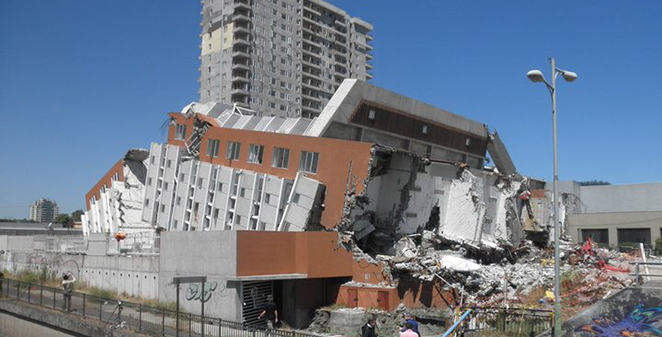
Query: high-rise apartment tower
[(44, 210), (280, 57)]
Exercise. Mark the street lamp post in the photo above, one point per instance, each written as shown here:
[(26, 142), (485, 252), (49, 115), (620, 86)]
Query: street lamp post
[(569, 76)]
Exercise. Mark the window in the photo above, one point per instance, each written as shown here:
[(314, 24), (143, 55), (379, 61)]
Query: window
[(149, 181), (220, 187), (212, 147), (163, 207), (267, 197), (233, 150), (180, 132), (280, 158), (179, 201), (295, 198), (242, 192), (146, 202), (255, 154), (169, 163), (196, 206), (165, 186), (175, 225), (200, 181), (309, 161)]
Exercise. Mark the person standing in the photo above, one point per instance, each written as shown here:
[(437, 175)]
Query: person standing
[(410, 319), (2, 278), (270, 312), (68, 287), (408, 330), (368, 330)]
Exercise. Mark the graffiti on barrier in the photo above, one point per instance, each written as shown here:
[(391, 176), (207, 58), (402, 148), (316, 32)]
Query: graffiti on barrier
[(194, 291), (640, 322)]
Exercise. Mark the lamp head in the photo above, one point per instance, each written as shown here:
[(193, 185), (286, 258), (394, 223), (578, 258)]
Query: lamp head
[(535, 76), (569, 76)]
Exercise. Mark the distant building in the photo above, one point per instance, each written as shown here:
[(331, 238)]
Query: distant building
[(44, 210), (280, 57), (616, 215)]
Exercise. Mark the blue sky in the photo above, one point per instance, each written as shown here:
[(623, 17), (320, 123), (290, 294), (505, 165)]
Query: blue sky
[(83, 81)]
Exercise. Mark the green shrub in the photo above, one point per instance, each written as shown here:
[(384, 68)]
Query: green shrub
[(658, 246), (29, 277)]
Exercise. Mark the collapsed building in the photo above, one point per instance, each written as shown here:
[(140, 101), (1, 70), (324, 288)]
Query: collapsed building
[(387, 172), (115, 202)]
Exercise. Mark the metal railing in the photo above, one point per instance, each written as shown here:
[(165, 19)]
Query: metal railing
[(639, 276), (64, 244), (507, 321), (142, 243), (116, 314)]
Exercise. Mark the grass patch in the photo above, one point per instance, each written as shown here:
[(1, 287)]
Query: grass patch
[(102, 293), (172, 306)]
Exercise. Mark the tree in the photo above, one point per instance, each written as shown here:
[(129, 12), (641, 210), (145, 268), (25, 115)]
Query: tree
[(658, 246), (64, 219), (76, 215)]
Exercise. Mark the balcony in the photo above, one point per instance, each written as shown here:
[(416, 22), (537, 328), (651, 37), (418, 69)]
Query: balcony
[(309, 40), (240, 76), (368, 37), (240, 65), (309, 85), (311, 63), (368, 76), (368, 66), (241, 16), (240, 53), (243, 4), (242, 39), (240, 99), (312, 74), (242, 29), (239, 91), (307, 94), (309, 30), (307, 18), (310, 9)]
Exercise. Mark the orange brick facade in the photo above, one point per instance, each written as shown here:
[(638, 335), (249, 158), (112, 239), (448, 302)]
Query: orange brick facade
[(338, 159), (105, 180)]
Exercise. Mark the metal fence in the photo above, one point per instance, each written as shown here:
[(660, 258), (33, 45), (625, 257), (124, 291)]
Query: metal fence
[(68, 244), (143, 243), (646, 271), (507, 322), (139, 317)]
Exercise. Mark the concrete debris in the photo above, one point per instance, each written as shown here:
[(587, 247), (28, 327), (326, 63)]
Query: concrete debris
[(405, 250), (348, 321), (458, 264)]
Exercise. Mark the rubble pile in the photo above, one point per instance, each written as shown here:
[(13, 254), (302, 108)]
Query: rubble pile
[(523, 277)]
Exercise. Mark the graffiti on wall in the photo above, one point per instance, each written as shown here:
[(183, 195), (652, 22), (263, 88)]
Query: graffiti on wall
[(639, 322), (194, 291)]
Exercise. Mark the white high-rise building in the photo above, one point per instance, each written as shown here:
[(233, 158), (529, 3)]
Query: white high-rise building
[(44, 210), (280, 57)]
